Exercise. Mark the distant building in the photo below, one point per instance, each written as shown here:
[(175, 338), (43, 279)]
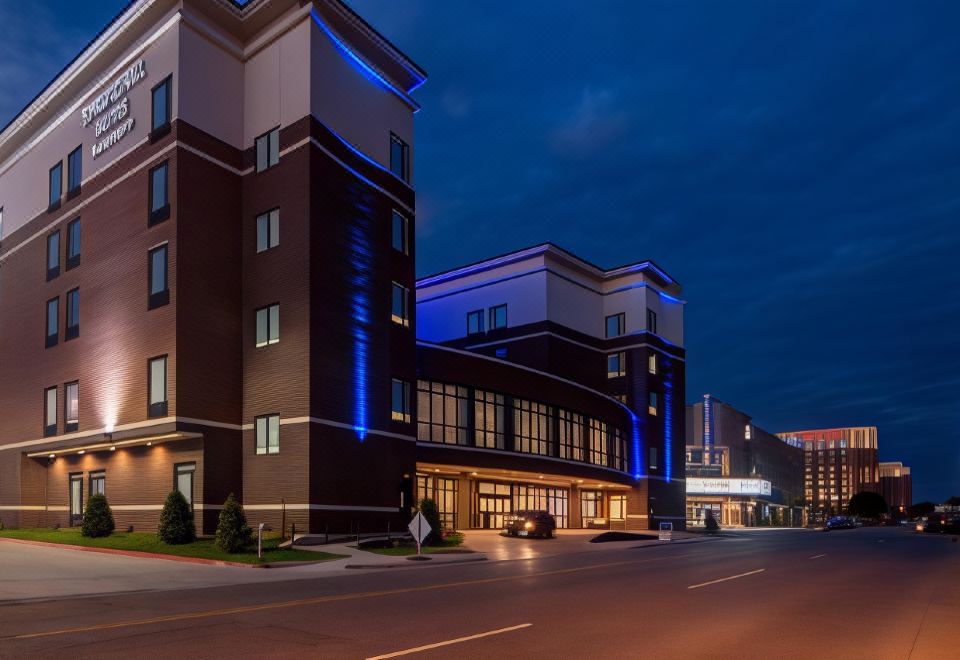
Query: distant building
[(896, 485), (838, 463), (742, 473)]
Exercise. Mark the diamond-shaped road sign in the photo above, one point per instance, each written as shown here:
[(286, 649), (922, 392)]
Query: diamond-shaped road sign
[(419, 527)]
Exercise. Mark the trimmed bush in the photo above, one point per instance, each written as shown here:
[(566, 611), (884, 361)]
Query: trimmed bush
[(710, 523), (233, 533), (429, 510), (176, 520), (97, 517)]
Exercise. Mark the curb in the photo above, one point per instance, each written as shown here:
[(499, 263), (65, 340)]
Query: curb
[(409, 564), (156, 555)]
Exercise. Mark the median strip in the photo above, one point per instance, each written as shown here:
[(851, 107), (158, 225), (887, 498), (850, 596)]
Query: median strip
[(458, 640), (732, 577)]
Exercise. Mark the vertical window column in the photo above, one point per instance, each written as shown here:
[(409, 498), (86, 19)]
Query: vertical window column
[(50, 411), (71, 407), (73, 314), (157, 374), (159, 292)]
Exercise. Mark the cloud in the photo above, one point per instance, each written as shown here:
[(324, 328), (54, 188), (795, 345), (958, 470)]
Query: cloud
[(596, 121)]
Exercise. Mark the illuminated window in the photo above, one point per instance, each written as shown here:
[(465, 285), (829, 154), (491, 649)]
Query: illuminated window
[(98, 483), (399, 158), (1, 223), (53, 322), (651, 321), (571, 435), (652, 362), (616, 365), (268, 325), (157, 384), (652, 403), (591, 504), (268, 149), (73, 244), (159, 194), (268, 434), (400, 233), (74, 171), (71, 406), (53, 255), (73, 314), (56, 185), (616, 325), (159, 293), (268, 230), (161, 100), (597, 439), (488, 414), (442, 413), (475, 322), (400, 401), (532, 427), (50, 411), (746, 432), (183, 480), (498, 317), (443, 492), (400, 303)]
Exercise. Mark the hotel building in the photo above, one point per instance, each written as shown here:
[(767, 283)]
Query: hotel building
[(896, 486), (744, 475), (838, 464), (207, 258)]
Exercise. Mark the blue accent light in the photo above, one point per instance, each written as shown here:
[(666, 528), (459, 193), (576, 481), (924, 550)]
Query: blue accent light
[(361, 264), (708, 429), (637, 446), (368, 71), (667, 420)]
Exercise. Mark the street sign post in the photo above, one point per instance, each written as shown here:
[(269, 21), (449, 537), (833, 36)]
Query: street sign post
[(666, 531), (420, 529)]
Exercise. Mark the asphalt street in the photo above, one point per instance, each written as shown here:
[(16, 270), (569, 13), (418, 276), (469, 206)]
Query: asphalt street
[(865, 593)]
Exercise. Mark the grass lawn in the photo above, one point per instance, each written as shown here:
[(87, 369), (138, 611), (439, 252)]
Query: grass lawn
[(148, 542), (450, 545)]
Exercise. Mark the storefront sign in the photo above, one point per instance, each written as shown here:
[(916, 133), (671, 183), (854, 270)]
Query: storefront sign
[(110, 110), (701, 486)]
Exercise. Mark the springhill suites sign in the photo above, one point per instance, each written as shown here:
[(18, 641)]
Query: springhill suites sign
[(109, 111)]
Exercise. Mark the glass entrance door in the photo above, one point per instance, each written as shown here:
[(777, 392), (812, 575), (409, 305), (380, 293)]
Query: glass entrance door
[(492, 511)]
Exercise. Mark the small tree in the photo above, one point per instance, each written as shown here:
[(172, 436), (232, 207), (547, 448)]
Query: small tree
[(233, 533), (775, 518), (867, 504), (429, 510), (97, 517), (176, 520), (709, 522)]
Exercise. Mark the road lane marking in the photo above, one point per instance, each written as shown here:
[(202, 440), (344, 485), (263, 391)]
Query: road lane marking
[(458, 640), (205, 614), (732, 577), (818, 556)]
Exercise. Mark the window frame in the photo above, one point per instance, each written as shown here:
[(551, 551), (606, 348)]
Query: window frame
[(189, 467), (621, 319), (404, 415), (54, 339), (71, 331), (74, 168), (53, 272), (404, 223), (404, 318), (158, 215), (271, 220), (267, 449), (94, 476), (651, 321), (653, 403), (621, 371), (159, 408), (70, 426), (54, 204), (404, 165), (478, 314), (49, 429), (272, 138), (268, 341), (158, 131), (73, 477), (492, 315), (653, 363), (73, 260), (158, 298)]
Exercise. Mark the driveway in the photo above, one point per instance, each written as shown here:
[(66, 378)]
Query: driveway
[(566, 541)]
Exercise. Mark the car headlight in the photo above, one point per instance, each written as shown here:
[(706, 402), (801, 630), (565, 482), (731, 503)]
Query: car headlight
[(528, 525)]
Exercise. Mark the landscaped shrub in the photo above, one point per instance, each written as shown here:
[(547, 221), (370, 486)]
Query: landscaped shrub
[(97, 517), (429, 510), (176, 520), (233, 533), (710, 523)]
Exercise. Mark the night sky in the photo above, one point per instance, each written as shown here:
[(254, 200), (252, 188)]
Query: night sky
[(795, 165)]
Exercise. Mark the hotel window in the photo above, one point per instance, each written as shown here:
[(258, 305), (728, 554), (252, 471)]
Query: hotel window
[(651, 321), (159, 293), (443, 491), (619, 447), (747, 433), (73, 244), (400, 233), (183, 480), (488, 414), (475, 322), (71, 406), (162, 97), (73, 314), (652, 403), (399, 313), (268, 230), (571, 435), (159, 194), (74, 171), (98, 483), (591, 504), (158, 387), (268, 149), (76, 499), (399, 158), (53, 322), (616, 325), (532, 427), (268, 325), (653, 458), (53, 255), (400, 401), (498, 317), (652, 363), (50, 411), (597, 437), (442, 413), (616, 365), (56, 185), (268, 434)]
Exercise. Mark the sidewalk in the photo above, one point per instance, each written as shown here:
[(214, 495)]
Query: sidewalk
[(359, 559)]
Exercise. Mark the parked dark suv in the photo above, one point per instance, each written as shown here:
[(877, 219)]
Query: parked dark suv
[(840, 522), (530, 523)]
